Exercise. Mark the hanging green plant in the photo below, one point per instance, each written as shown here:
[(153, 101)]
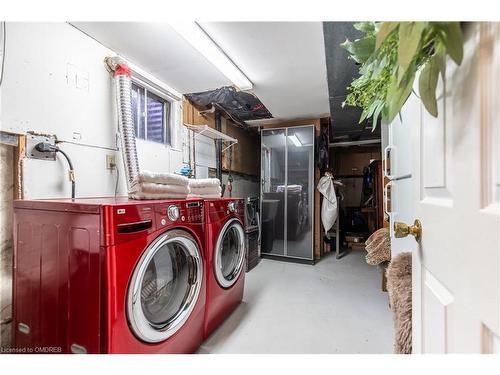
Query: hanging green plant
[(390, 55)]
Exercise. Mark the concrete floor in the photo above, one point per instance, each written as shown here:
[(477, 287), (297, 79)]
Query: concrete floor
[(335, 306)]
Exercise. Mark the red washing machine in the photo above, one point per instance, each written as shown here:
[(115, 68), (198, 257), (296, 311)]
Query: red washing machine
[(109, 275), (225, 255)]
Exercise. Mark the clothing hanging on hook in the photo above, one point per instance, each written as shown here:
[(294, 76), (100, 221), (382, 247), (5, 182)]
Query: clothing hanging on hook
[(329, 207)]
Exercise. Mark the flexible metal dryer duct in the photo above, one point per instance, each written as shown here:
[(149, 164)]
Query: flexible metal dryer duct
[(123, 86)]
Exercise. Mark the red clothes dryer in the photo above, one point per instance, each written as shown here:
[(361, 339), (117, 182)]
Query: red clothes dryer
[(109, 275), (225, 259)]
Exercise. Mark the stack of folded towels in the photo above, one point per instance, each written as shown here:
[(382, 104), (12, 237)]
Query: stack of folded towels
[(205, 188), (151, 185)]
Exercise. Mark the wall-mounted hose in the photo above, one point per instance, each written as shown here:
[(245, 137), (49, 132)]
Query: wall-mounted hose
[(123, 89)]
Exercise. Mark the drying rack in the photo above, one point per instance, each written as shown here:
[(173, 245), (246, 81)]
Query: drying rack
[(211, 133)]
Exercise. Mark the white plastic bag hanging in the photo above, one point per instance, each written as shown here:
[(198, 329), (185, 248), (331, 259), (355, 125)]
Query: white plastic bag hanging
[(329, 207)]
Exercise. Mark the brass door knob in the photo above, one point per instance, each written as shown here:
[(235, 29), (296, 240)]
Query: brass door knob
[(402, 230)]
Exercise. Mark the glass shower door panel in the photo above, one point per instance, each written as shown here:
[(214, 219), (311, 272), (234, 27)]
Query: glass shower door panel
[(273, 180), (300, 191)]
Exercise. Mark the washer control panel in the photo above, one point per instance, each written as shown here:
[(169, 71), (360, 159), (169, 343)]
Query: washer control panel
[(194, 212), (173, 212), (179, 212)]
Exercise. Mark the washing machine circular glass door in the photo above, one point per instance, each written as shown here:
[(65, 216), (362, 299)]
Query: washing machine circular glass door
[(165, 286), (229, 253)]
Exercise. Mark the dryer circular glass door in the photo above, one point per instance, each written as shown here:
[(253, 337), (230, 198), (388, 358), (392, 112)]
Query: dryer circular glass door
[(229, 253), (165, 286)]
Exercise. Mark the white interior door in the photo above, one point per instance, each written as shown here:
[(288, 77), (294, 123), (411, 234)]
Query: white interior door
[(398, 150), (455, 190)]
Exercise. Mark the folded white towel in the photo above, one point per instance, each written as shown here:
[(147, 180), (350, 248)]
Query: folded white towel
[(203, 182), (206, 196), (213, 190), (150, 187), (142, 196), (163, 178), (149, 190)]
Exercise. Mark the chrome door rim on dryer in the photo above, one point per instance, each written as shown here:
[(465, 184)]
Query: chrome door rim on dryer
[(141, 326), (219, 275)]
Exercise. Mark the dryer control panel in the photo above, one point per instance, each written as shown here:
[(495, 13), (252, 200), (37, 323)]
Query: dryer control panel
[(221, 209)]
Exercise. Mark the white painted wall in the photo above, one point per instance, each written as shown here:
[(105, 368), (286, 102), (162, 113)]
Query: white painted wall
[(55, 82), (205, 155)]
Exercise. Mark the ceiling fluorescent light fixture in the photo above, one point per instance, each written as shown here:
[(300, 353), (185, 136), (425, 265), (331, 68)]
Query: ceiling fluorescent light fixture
[(295, 140), (201, 41)]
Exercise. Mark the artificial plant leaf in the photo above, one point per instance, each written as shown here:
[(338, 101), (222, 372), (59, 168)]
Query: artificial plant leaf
[(372, 108), (363, 116), (410, 34), (376, 114), (367, 67), (400, 73), (453, 40), (385, 113), (379, 65), (427, 85), (347, 44), (440, 60), (397, 95), (385, 30), (360, 49), (366, 27), (408, 73), (367, 112)]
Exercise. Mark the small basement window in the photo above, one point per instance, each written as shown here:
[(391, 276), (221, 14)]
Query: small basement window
[(151, 114)]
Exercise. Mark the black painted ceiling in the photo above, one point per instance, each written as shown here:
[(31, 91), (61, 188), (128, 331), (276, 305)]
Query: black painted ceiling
[(341, 71)]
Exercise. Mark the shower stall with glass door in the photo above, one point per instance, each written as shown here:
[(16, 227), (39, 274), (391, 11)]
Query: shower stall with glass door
[(287, 193)]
